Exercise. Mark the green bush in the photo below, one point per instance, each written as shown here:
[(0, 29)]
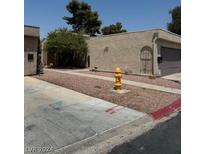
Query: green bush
[(70, 48)]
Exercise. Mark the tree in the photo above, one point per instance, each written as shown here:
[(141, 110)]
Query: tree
[(112, 29), (175, 25), (39, 63), (70, 48), (83, 19)]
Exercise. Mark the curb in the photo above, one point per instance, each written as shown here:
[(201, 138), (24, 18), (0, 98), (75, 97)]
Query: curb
[(166, 110)]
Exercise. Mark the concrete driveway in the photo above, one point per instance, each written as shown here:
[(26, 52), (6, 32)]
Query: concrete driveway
[(56, 117)]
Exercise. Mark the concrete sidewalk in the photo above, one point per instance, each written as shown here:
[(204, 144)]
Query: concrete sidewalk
[(129, 82), (59, 119), (173, 77)]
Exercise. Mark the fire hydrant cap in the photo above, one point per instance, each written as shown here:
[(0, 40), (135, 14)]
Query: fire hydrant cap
[(117, 70)]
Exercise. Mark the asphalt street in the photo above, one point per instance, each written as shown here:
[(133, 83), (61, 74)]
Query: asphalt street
[(165, 138)]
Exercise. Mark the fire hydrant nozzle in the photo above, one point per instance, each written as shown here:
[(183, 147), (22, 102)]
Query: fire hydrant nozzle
[(118, 77)]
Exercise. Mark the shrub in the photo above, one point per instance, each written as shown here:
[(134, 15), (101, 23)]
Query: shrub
[(70, 48)]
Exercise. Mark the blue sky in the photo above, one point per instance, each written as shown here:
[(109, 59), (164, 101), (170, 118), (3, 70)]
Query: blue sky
[(134, 14)]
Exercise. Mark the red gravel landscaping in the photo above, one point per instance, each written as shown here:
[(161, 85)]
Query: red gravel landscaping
[(140, 99), (137, 78)]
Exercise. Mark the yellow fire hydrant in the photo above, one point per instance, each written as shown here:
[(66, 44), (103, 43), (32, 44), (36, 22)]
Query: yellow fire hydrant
[(118, 77)]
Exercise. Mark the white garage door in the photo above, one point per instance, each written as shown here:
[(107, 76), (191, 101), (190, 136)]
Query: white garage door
[(170, 61)]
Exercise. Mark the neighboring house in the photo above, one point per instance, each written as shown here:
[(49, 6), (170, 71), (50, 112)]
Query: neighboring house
[(31, 38), (151, 52)]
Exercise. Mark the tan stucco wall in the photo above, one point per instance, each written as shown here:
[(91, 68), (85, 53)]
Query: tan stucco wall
[(31, 31), (30, 46), (123, 50), (169, 36), (31, 36), (30, 68)]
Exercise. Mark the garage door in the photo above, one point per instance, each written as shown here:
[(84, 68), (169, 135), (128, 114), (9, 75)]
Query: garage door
[(170, 61)]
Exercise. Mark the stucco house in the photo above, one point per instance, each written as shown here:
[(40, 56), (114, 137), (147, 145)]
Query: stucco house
[(31, 38), (150, 52)]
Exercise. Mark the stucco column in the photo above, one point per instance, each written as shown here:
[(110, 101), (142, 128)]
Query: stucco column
[(155, 55)]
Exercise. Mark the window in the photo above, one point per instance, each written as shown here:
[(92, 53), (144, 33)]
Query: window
[(30, 57)]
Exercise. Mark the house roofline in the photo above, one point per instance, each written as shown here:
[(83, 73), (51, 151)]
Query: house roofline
[(32, 26), (145, 30)]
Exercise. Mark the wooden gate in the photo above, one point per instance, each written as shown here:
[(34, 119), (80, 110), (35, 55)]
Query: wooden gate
[(146, 58)]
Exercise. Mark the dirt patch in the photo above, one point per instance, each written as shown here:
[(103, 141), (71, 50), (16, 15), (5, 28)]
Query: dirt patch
[(155, 81), (140, 99)]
